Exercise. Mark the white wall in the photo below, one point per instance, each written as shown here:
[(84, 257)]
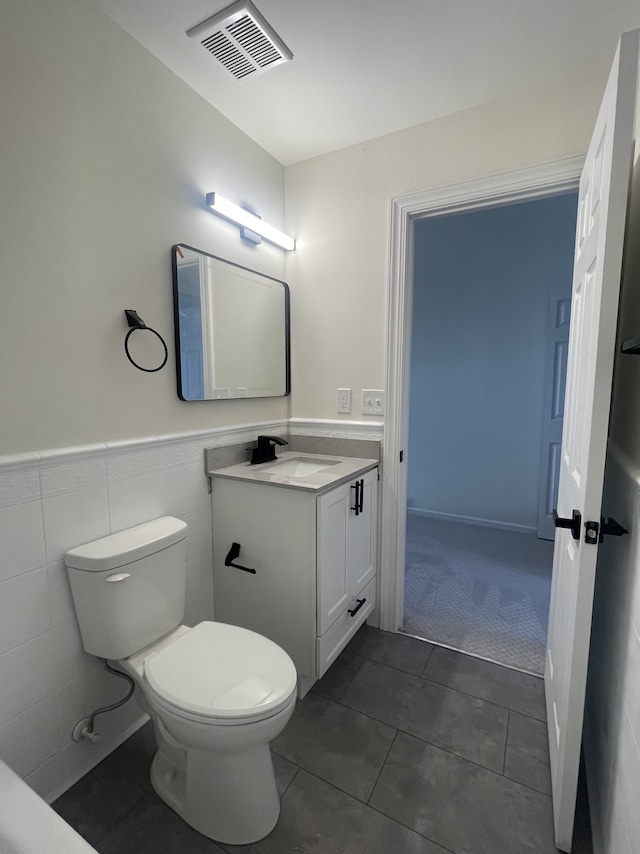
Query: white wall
[(106, 158), (481, 302), (338, 208)]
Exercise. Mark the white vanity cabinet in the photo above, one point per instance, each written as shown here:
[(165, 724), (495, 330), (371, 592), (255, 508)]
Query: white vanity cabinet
[(314, 556)]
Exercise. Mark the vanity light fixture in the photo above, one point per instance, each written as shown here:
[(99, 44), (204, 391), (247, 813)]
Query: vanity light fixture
[(248, 220)]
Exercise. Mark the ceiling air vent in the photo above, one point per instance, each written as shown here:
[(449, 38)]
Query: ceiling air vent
[(241, 39)]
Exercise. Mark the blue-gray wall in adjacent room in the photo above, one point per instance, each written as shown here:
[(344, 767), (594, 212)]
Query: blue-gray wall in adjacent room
[(480, 310)]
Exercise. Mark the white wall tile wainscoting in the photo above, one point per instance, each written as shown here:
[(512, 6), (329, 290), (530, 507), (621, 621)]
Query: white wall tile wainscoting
[(53, 500)]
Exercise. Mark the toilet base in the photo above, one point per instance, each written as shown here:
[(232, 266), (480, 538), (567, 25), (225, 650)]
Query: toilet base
[(228, 798)]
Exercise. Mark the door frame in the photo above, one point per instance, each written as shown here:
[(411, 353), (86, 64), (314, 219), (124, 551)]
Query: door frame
[(535, 182)]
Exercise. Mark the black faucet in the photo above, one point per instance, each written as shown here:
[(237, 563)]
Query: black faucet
[(266, 450)]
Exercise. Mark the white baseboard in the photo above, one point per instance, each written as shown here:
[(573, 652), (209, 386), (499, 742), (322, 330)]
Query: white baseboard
[(473, 520), (60, 772)]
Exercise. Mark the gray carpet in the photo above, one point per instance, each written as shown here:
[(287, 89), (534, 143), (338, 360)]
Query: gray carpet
[(479, 590)]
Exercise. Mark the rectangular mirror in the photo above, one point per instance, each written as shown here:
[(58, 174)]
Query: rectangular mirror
[(232, 329)]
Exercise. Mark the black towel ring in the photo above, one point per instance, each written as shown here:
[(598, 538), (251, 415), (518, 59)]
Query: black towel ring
[(136, 322)]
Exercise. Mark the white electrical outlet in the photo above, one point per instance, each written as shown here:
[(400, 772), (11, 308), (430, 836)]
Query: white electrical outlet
[(344, 400), (373, 401)]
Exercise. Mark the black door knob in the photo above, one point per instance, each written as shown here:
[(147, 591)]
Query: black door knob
[(574, 524)]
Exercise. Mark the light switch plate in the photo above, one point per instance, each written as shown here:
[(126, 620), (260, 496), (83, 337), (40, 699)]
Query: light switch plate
[(373, 401)]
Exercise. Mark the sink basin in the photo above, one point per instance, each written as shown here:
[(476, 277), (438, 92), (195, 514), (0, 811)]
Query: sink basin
[(299, 466)]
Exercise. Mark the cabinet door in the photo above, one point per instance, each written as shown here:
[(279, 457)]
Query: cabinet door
[(333, 589), (362, 535), (346, 545)]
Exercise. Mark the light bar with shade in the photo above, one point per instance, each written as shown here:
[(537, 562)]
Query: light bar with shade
[(246, 219)]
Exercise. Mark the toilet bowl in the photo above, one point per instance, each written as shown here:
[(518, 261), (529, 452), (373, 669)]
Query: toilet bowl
[(217, 715), (217, 694)]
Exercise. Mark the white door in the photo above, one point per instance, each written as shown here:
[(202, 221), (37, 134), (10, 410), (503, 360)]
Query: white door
[(596, 283)]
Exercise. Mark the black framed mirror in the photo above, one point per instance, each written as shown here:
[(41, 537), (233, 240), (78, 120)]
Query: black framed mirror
[(231, 328)]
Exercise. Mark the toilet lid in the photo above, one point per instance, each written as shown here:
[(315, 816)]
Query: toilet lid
[(222, 671)]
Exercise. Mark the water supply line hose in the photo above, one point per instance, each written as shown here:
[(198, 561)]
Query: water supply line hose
[(84, 729)]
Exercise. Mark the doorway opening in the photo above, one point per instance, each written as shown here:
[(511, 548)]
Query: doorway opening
[(410, 213), (490, 328)]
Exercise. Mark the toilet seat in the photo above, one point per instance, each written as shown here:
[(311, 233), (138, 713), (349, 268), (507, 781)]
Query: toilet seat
[(221, 674)]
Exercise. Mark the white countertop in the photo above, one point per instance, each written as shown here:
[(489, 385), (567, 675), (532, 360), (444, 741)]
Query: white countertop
[(342, 469)]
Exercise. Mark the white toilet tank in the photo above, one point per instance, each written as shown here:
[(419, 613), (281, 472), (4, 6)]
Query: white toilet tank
[(128, 588)]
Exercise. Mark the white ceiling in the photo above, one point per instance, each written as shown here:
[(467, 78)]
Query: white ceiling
[(363, 68)]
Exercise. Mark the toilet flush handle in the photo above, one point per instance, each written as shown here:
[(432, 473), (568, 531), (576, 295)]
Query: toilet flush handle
[(118, 576)]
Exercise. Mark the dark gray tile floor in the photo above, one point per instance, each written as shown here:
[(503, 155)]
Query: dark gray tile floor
[(402, 747)]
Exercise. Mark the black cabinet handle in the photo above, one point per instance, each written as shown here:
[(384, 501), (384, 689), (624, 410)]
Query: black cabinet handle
[(233, 553), (357, 506), (359, 488), (354, 611)]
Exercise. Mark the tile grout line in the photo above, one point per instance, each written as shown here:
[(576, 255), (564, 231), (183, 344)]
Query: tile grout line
[(123, 816), (346, 688), (418, 738), (384, 762), (151, 792), (379, 812), (433, 681), (432, 744), (335, 785), (475, 696), (431, 651), (506, 743), (286, 788), (437, 747)]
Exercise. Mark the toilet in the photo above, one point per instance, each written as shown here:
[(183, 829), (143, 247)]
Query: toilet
[(217, 694)]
